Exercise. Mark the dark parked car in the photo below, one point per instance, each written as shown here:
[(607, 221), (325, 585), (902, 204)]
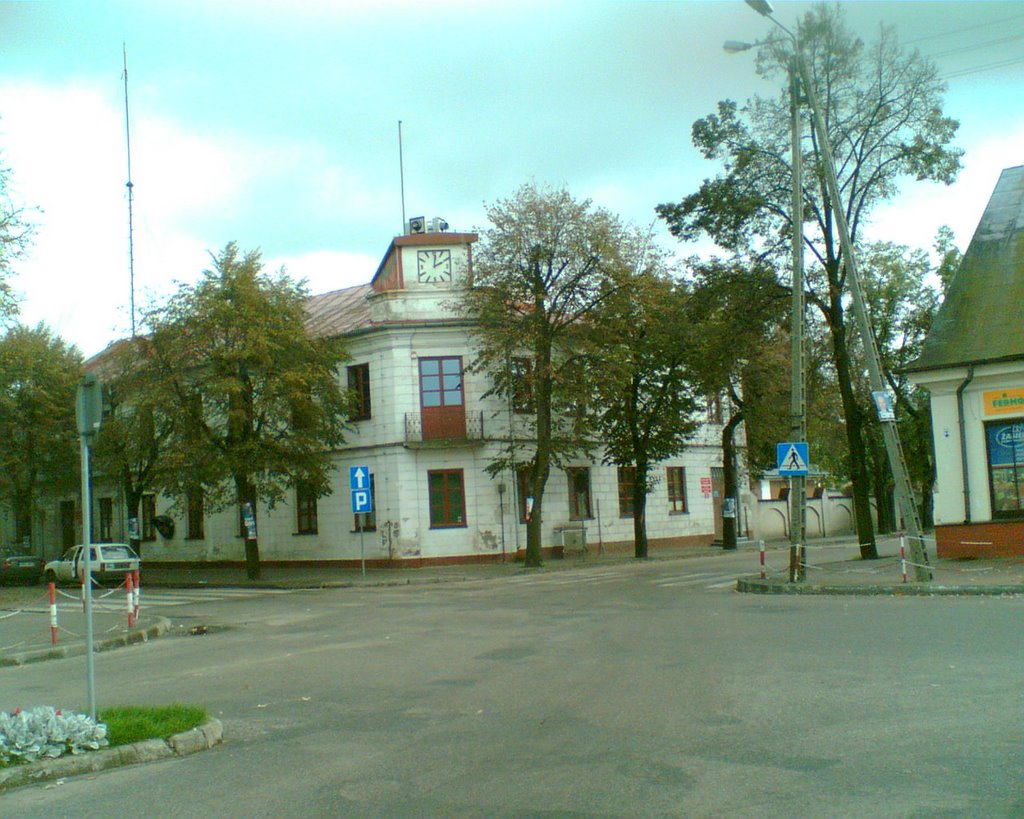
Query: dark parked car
[(19, 568)]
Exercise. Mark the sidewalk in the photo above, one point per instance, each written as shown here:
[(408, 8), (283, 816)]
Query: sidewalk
[(826, 575)]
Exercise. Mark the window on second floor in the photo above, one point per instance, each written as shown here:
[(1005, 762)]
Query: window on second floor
[(522, 385), (714, 405), (579, 492), (359, 384)]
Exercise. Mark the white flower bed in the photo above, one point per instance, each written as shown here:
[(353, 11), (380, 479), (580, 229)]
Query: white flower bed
[(47, 733)]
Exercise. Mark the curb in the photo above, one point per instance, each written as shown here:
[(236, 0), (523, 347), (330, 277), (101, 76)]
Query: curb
[(150, 750), (161, 626), (896, 590)]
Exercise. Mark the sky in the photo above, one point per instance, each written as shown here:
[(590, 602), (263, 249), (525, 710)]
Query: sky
[(275, 124)]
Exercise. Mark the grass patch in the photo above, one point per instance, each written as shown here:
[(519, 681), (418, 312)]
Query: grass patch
[(127, 724)]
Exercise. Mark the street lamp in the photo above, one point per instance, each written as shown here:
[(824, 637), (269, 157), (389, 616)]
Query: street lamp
[(894, 451)]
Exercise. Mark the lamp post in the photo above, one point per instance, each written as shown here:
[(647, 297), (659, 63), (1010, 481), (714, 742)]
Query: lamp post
[(894, 450)]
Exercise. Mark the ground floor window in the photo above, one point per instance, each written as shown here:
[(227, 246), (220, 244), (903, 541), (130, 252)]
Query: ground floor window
[(447, 498), (367, 521), (1005, 440), (106, 528), (305, 510), (195, 514), (524, 491), (627, 481), (148, 516), (579, 492), (675, 478)]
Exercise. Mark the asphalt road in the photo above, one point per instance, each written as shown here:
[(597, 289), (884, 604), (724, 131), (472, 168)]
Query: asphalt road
[(630, 690)]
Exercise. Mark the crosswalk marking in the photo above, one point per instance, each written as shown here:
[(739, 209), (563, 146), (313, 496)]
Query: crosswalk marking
[(160, 597), (708, 580)]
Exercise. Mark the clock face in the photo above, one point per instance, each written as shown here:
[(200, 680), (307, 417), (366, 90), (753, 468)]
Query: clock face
[(434, 265)]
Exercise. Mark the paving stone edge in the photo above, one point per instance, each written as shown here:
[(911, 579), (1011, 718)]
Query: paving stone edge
[(198, 739), (59, 652), (757, 586)]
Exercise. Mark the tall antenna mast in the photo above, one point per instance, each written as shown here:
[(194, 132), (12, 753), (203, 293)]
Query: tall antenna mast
[(401, 172), (131, 242)]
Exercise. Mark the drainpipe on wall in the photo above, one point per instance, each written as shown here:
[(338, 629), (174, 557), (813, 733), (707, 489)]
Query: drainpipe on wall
[(963, 440)]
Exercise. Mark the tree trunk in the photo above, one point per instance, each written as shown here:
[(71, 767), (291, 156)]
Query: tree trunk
[(542, 461), (132, 502), (640, 490), (730, 480), (247, 495), (859, 475)]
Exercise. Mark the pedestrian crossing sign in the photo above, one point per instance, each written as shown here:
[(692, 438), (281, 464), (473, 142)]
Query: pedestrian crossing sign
[(792, 457)]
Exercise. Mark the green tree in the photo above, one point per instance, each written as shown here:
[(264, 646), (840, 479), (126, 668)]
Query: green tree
[(643, 347), (256, 399), (15, 239), (39, 375), (736, 311), (132, 444), (540, 271), (883, 108)]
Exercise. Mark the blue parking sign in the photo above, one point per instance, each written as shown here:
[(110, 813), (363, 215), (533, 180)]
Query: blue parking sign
[(362, 501)]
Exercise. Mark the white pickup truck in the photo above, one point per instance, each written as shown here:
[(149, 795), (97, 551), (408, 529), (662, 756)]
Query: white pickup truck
[(108, 561)]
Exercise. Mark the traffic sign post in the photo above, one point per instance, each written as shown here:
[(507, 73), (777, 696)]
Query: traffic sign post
[(792, 458), (360, 482)]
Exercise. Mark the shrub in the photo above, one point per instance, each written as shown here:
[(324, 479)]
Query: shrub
[(46, 732)]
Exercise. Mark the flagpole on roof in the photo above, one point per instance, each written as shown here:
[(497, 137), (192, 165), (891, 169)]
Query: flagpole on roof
[(131, 243)]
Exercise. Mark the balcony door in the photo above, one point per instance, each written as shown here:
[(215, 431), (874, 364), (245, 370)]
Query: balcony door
[(442, 404)]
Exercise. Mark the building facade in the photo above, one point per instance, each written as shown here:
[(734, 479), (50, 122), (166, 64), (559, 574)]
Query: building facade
[(419, 444), (972, 364)]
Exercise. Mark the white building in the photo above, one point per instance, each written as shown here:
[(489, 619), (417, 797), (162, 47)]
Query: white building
[(425, 433), (973, 367)]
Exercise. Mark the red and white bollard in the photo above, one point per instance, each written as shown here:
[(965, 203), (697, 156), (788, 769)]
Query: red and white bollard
[(903, 558), (52, 588), (130, 594), (764, 575), (135, 577)]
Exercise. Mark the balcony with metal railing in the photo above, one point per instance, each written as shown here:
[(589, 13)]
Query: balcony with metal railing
[(428, 428)]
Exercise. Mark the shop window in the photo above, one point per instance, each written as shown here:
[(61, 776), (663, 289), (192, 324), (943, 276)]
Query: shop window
[(1005, 440)]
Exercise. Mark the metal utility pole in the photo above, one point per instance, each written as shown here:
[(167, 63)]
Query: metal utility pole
[(798, 394), (894, 450), (897, 462)]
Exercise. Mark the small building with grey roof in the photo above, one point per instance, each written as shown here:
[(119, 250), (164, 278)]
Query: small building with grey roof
[(972, 364)]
